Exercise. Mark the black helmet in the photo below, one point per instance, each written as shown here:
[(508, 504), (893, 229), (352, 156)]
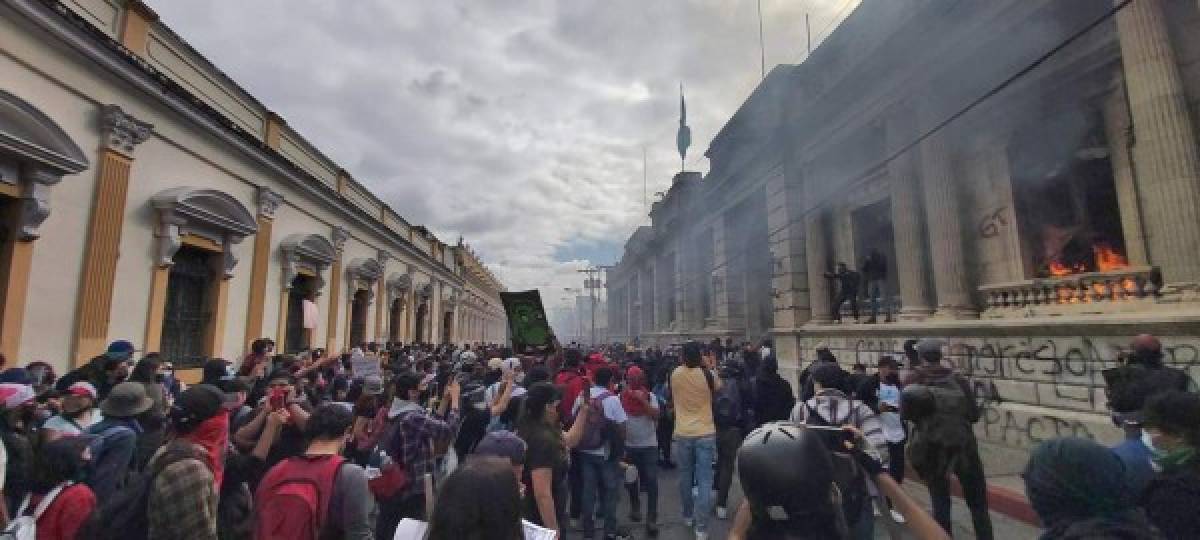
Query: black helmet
[(917, 402), (786, 474)]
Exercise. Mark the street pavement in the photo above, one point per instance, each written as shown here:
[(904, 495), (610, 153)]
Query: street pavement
[(671, 525)]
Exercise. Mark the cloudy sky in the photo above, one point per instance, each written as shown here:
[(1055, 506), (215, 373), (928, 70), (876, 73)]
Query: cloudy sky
[(518, 124)]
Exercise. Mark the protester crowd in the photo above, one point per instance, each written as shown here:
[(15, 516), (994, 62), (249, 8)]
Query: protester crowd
[(415, 441)]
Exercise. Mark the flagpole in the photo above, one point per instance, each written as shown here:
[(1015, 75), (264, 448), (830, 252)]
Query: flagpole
[(762, 51)]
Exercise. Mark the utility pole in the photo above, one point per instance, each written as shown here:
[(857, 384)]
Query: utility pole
[(591, 283)]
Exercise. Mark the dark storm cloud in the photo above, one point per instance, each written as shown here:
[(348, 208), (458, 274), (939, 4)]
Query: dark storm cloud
[(517, 123)]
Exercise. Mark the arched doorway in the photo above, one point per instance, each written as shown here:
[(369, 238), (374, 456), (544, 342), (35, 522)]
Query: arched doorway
[(358, 317), (447, 326), (296, 337), (422, 313)]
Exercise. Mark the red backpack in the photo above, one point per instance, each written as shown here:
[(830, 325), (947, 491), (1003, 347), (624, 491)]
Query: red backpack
[(571, 384), (293, 498)]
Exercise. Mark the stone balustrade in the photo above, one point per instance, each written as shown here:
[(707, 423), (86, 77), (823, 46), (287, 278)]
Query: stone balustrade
[(1090, 291)]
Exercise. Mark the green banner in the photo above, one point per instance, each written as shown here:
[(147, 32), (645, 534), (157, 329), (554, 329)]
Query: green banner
[(526, 319)]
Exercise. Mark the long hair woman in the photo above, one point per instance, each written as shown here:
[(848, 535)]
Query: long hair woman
[(546, 455), (478, 501)]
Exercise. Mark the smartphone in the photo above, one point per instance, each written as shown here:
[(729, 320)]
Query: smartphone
[(835, 435), (278, 398)]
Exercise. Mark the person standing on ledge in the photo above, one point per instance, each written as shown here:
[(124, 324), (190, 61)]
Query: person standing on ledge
[(847, 290)]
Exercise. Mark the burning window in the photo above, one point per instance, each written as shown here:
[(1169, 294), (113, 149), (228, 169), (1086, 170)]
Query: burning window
[(1066, 199)]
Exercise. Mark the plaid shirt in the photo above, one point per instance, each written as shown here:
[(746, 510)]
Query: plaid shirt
[(414, 437), (183, 502)]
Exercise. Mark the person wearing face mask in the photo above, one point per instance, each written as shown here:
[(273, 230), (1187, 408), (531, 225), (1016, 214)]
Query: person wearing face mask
[(78, 413), (148, 373), (1077, 488), (105, 371), (1171, 430), (16, 452)]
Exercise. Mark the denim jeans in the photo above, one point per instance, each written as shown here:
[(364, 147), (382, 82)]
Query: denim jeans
[(601, 479), (644, 460), (695, 456)]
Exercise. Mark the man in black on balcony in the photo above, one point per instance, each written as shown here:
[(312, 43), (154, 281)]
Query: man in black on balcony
[(847, 280)]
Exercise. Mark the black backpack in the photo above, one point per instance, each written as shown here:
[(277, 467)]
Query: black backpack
[(851, 480), (124, 516)]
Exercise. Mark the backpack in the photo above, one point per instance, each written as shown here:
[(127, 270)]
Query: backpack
[(596, 432), (727, 403), (124, 514), (949, 426), (293, 498), (851, 480), (24, 526)]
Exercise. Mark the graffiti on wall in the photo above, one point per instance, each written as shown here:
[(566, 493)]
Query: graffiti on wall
[(1030, 388)]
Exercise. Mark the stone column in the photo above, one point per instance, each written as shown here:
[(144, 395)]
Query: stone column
[(1166, 158), (338, 238), (1118, 131), (816, 252), (268, 204), (727, 283), (683, 285), (785, 226), (121, 133), (649, 298), (945, 231), (908, 226)]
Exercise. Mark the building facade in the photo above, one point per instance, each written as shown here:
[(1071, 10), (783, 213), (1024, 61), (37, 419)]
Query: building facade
[(146, 196), (1036, 218), (481, 317)]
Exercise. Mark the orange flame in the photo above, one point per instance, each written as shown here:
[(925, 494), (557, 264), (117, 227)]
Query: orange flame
[(1108, 258)]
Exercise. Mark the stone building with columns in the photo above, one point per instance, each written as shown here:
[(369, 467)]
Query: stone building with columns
[(1035, 218), (147, 196), (481, 315)]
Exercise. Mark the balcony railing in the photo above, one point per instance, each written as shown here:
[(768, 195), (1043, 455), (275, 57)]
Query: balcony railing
[(1091, 291)]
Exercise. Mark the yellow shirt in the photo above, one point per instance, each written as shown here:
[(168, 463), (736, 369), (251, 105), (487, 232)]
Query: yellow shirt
[(693, 402)]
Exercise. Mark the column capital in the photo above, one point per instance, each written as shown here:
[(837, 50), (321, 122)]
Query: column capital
[(339, 237), (268, 202), (122, 132)]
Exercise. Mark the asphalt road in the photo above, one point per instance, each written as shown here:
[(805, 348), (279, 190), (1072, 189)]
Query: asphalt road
[(671, 526)]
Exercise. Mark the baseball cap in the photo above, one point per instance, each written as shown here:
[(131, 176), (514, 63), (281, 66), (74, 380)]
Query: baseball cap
[(13, 395), (119, 349), (504, 444), (82, 388), (201, 402)]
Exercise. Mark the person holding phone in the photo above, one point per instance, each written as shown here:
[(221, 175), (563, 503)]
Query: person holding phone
[(830, 407), (281, 395)]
